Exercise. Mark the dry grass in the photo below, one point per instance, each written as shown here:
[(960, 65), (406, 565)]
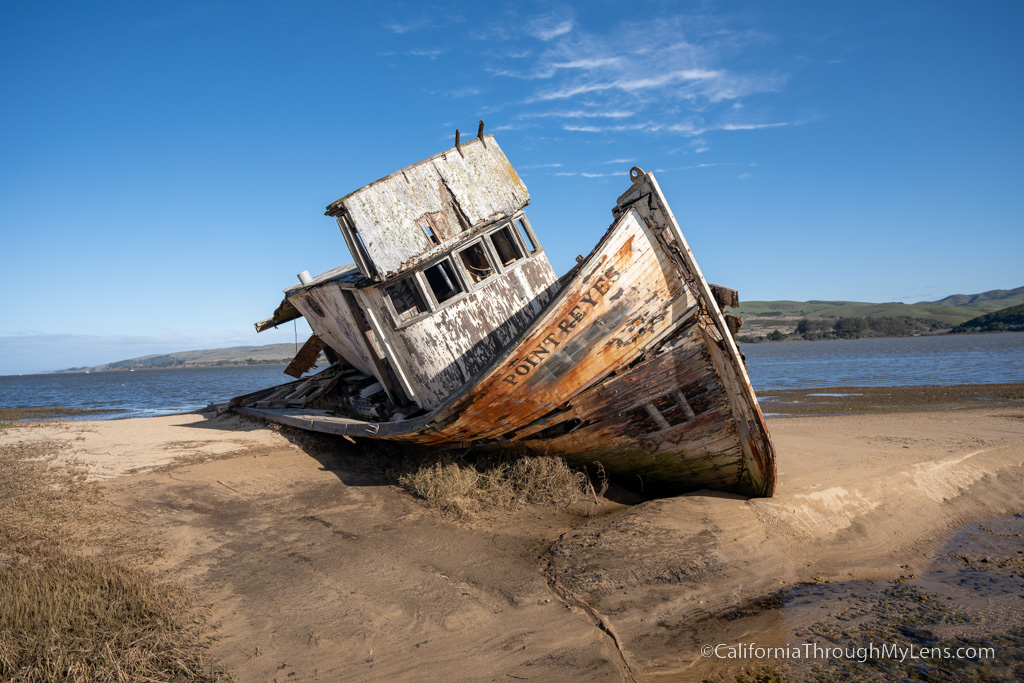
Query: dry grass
[(460, 486), (67, 617), (72, 618)]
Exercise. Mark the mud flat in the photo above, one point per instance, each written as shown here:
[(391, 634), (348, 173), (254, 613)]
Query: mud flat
[(317, 566), (853, 400)]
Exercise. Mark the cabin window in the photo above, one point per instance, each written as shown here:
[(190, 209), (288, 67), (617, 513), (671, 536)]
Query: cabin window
[(506, 246), (442, 281), (405, 299), (529, 239), (477, 262)]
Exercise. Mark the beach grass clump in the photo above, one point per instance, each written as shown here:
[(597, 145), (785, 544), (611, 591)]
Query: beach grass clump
[(37, 500), (64, 617), (463, 483), (70, 616), (459, 485)]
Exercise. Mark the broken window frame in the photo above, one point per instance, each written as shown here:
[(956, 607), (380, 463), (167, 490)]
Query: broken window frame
[(516, 244), (354, 242), (465, 267), (397, 318), (457, 280), (526, 235)]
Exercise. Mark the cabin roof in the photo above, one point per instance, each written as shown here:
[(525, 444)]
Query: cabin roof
[(405, 215), (347, 274), (472, 147)]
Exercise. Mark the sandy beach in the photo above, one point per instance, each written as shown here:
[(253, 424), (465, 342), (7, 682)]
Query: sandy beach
[(316, 566)]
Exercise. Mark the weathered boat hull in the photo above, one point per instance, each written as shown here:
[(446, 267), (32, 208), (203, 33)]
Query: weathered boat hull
[(631, 364)]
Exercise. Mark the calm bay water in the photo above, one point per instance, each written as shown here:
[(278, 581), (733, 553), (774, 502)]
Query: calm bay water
[(906, 361), (899, 362), (140, 393)]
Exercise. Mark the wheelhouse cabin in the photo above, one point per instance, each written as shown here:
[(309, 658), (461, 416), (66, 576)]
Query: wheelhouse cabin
[(447, 273)]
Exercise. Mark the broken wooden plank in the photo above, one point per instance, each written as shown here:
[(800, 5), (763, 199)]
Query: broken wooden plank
[(306, 357), (725, 297), (733, 323), (284, 313)]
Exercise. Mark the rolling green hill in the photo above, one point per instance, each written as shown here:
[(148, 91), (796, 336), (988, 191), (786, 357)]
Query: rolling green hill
[(236, 355), (763, 318), (1010, 319), (953, 315), (987, 301)]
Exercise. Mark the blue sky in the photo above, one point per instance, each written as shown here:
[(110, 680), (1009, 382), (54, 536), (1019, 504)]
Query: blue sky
[(164, 166)]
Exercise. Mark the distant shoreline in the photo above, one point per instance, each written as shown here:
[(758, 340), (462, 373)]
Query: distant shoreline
[(140, 368), (741, 339)]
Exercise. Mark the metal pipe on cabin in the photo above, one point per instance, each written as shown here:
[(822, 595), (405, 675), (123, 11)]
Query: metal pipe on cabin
[(305, 278), (446, 280)]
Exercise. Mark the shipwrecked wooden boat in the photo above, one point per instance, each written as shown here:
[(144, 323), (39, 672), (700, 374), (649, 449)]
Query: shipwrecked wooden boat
[(451, 329)]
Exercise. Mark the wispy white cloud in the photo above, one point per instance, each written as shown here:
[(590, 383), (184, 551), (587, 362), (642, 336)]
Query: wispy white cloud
[(649, 126), (687, 128), (432, 54), (542, 166), (750, 126), (550, 69), (406, 26), (578, 114), (587, 63), (425, 53), (549, 27), (619, 161), (709, 165), (629, 84), (584, 174), (584, 129), (685, 74)]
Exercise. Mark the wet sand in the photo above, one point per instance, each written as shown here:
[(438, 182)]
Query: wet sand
[(856, 400), (316, 566)]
